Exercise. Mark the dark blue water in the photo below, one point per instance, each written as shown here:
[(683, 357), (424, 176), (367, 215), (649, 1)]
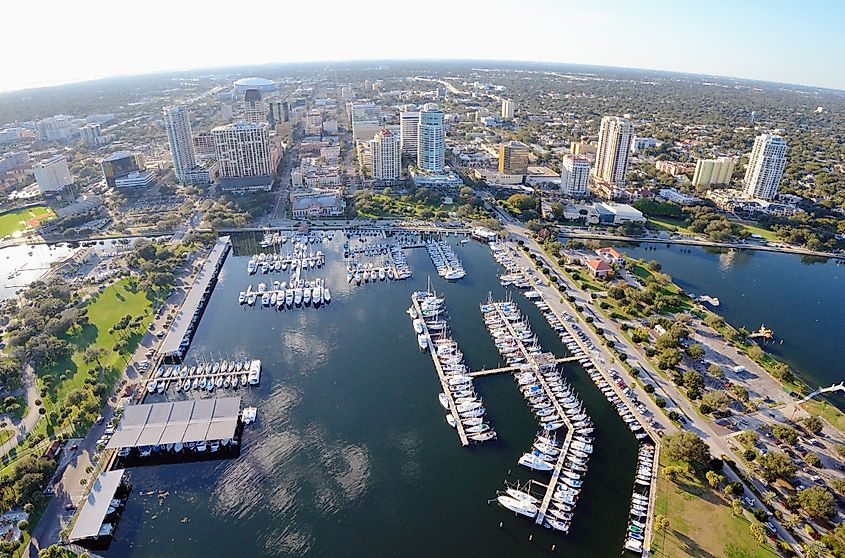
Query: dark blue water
[(802, 302), (351, 454)]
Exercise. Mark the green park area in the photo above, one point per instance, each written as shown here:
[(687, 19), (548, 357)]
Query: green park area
[(24, 219), (702, 520), (422, 204), (117, 318)]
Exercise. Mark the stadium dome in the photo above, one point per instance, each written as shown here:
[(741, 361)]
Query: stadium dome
[(263, 85)]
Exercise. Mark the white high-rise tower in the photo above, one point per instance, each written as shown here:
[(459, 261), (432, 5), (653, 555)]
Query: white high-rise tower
[(431, 148), (613, 150), (178, 125), (386, 155), (765, 167), (507, 109), (574, 175)]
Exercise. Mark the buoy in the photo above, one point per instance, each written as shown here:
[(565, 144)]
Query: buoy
[(501, 524), (553, 547), (530, 537)]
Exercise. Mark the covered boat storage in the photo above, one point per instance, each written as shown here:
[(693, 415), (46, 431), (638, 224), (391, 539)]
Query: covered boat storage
[(91, 523), (172, 422)]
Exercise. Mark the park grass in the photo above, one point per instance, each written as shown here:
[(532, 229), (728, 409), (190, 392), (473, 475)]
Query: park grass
[(6, 435), (701, 522), (24, 219), (670, 224), (825, 410), (105, 309), (395, 206)]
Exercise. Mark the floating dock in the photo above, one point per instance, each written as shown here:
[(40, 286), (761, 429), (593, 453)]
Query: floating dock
[(441, 375)]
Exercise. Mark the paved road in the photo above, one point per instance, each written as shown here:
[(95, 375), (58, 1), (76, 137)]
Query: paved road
[(636, 358), (28, 422), (580, 234)]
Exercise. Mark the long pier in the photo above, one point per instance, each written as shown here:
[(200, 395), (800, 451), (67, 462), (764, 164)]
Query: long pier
[(441, 375), (618, 391), (538, 362), (510, 369)]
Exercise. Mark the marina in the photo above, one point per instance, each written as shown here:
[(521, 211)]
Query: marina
[(181, 332), (458, 395), (313, 364), (444, 259), (204, 376)]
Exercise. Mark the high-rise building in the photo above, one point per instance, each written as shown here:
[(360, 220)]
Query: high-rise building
[(713, 171), (177, 122), (615, 136), (513, 158), (253, 107), (56, 128), (243, 152), (279, 112), (314, 122), (574, 175), (365, 119), (409, 125), (204, 145), (386, 155), (431, 145), (765, 167), (52, 174), (120, 165), (92, 135), (507, 109)]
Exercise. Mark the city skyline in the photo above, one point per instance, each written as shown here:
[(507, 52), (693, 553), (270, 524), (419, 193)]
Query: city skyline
[(734, 49)]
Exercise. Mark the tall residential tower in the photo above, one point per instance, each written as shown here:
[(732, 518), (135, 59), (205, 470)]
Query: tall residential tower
[(177, 122), (431, 147), (765, 167), (386, 156), (612, 153), (574, 176)]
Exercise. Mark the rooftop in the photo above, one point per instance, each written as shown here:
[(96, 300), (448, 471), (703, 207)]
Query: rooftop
[(172, 422), (183, 319), (96, 505)]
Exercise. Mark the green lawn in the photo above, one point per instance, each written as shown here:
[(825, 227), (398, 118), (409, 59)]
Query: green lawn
[(765, 233), (5, 435), (670, 224), (24, 219), (104, 310), (701, 523)]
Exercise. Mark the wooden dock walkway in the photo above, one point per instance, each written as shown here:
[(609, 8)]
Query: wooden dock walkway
[(441, 375), (537, 366), (508, 369)]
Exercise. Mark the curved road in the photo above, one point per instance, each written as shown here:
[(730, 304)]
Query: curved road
[(23, 426)]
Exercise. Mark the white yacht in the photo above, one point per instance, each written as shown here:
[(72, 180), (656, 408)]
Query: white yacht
[(521, 507)]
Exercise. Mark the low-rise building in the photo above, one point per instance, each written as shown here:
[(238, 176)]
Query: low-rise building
[(136, 179), (598, 267), (603, 213), (317, 204), (610, 255), (675, 168), (678, 197)]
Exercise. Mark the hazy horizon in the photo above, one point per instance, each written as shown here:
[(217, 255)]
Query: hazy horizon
[(755, 40)]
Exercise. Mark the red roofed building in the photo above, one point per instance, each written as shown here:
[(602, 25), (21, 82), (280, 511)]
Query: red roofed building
[(610, 255), (599, 268)]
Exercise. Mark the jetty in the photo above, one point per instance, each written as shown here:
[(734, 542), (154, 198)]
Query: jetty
[(181, 332), (441, 375), (517, 368)]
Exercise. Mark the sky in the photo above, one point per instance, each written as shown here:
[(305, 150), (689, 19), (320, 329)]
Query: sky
[(54, 42)]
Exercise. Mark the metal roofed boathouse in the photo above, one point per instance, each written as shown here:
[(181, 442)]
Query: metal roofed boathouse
[(181, 332), (101, 510), (178, 430)]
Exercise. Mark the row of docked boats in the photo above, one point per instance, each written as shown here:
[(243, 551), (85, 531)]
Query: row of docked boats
[(228, 374), (464, 405), (640, 501), (281, 295), (277, 238), (276, 262), (179, 448), (444, 259), (358, 272), (515, 277), (511, 333), (623, 407)]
